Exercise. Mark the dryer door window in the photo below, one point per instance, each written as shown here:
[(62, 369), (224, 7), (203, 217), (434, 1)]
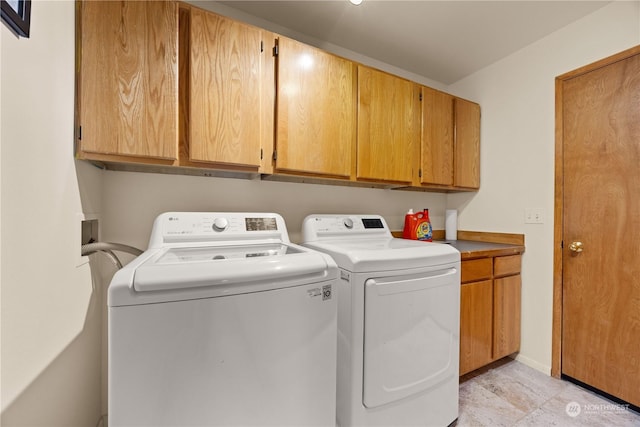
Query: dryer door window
[(411, 334)]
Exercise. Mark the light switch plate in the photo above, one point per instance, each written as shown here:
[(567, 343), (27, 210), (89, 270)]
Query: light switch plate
[(534, 216)]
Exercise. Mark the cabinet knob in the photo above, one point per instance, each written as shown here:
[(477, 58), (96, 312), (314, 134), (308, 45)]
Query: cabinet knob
[(576, 247)]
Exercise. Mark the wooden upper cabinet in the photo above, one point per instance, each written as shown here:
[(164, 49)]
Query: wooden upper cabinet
[(388, 126), (467, 144), (223, 91), (316, 111), (436, 157), (128, 79)]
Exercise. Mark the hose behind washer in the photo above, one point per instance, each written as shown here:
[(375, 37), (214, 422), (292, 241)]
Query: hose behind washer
[(108, 248)]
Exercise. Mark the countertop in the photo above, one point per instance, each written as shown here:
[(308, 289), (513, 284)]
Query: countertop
[(480, 244), (471, 249)]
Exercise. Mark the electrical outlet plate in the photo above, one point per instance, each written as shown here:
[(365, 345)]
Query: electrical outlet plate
[(534, 216), (88, 228), (89, 231)]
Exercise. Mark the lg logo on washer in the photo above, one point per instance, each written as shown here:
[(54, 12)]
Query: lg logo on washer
[(325, 292)]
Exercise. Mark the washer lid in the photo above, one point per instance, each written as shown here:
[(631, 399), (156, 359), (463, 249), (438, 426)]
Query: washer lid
[(385, 254), (191, 267), (190, 272)]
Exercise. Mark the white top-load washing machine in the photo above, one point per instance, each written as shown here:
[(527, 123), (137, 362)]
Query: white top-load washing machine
[(398, 322), (223, 322)]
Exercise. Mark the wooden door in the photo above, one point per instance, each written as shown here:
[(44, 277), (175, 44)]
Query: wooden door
[(224, 90), (388, 126), (467, 144), (436, 157), (600, 119), (316, 111), (128, 82)]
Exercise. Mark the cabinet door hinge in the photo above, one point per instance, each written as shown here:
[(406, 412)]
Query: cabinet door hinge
[(275, 155), (275, 50)]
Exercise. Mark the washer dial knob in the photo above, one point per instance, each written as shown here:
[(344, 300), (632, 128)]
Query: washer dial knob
[(220, 224), (348, 222)]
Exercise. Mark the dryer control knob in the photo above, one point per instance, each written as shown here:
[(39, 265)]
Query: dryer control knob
[(220, 224), (348, 222)]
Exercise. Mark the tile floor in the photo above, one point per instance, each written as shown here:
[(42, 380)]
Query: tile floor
[(509, 393)]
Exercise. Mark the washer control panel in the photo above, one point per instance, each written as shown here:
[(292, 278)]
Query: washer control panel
[(215, 226)]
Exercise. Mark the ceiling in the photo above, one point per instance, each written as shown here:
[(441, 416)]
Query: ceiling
[(440, 40)]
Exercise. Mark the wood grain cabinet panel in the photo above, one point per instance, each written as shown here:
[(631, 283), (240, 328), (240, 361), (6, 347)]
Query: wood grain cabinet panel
[(506, 265), (449, 155), (467, 144), (388, 126), (316, 111), (224, 90), (128, 79), (506, 316), (436, 156), (476, 325), (476, 269)]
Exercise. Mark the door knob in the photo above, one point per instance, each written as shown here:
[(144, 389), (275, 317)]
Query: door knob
[(576, 247)]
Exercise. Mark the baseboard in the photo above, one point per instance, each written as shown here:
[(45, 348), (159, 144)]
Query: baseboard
[(545, 369)]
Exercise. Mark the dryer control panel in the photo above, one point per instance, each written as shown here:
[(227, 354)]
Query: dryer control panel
[(316, 227)]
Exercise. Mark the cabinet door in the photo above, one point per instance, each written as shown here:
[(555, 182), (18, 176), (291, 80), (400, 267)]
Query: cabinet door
[(388, 126), (467, 144), (316, 111), (506, 320), (224, 91), (128, 82), (436, 157), (476, 300)]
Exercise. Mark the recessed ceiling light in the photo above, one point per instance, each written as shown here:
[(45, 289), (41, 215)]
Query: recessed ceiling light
[(356, 2)]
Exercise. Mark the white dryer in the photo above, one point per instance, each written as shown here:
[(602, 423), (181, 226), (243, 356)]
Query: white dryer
[(223, 322), (398, 323)]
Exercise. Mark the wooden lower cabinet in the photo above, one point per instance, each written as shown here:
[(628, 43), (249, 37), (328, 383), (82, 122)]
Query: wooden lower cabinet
[(489, 310), (476, 325), (506, 316)]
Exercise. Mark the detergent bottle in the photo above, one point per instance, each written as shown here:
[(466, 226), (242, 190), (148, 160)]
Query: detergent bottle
[(410, 224), (423, 228)]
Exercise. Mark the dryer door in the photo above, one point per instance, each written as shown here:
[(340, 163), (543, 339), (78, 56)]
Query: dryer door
[(411, 334)]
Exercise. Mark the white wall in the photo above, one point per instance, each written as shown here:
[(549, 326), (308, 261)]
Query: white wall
[(50, 315), (517, 154), (132, 201)]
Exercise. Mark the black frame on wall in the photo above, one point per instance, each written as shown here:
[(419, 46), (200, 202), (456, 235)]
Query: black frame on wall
[(16, 14)]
